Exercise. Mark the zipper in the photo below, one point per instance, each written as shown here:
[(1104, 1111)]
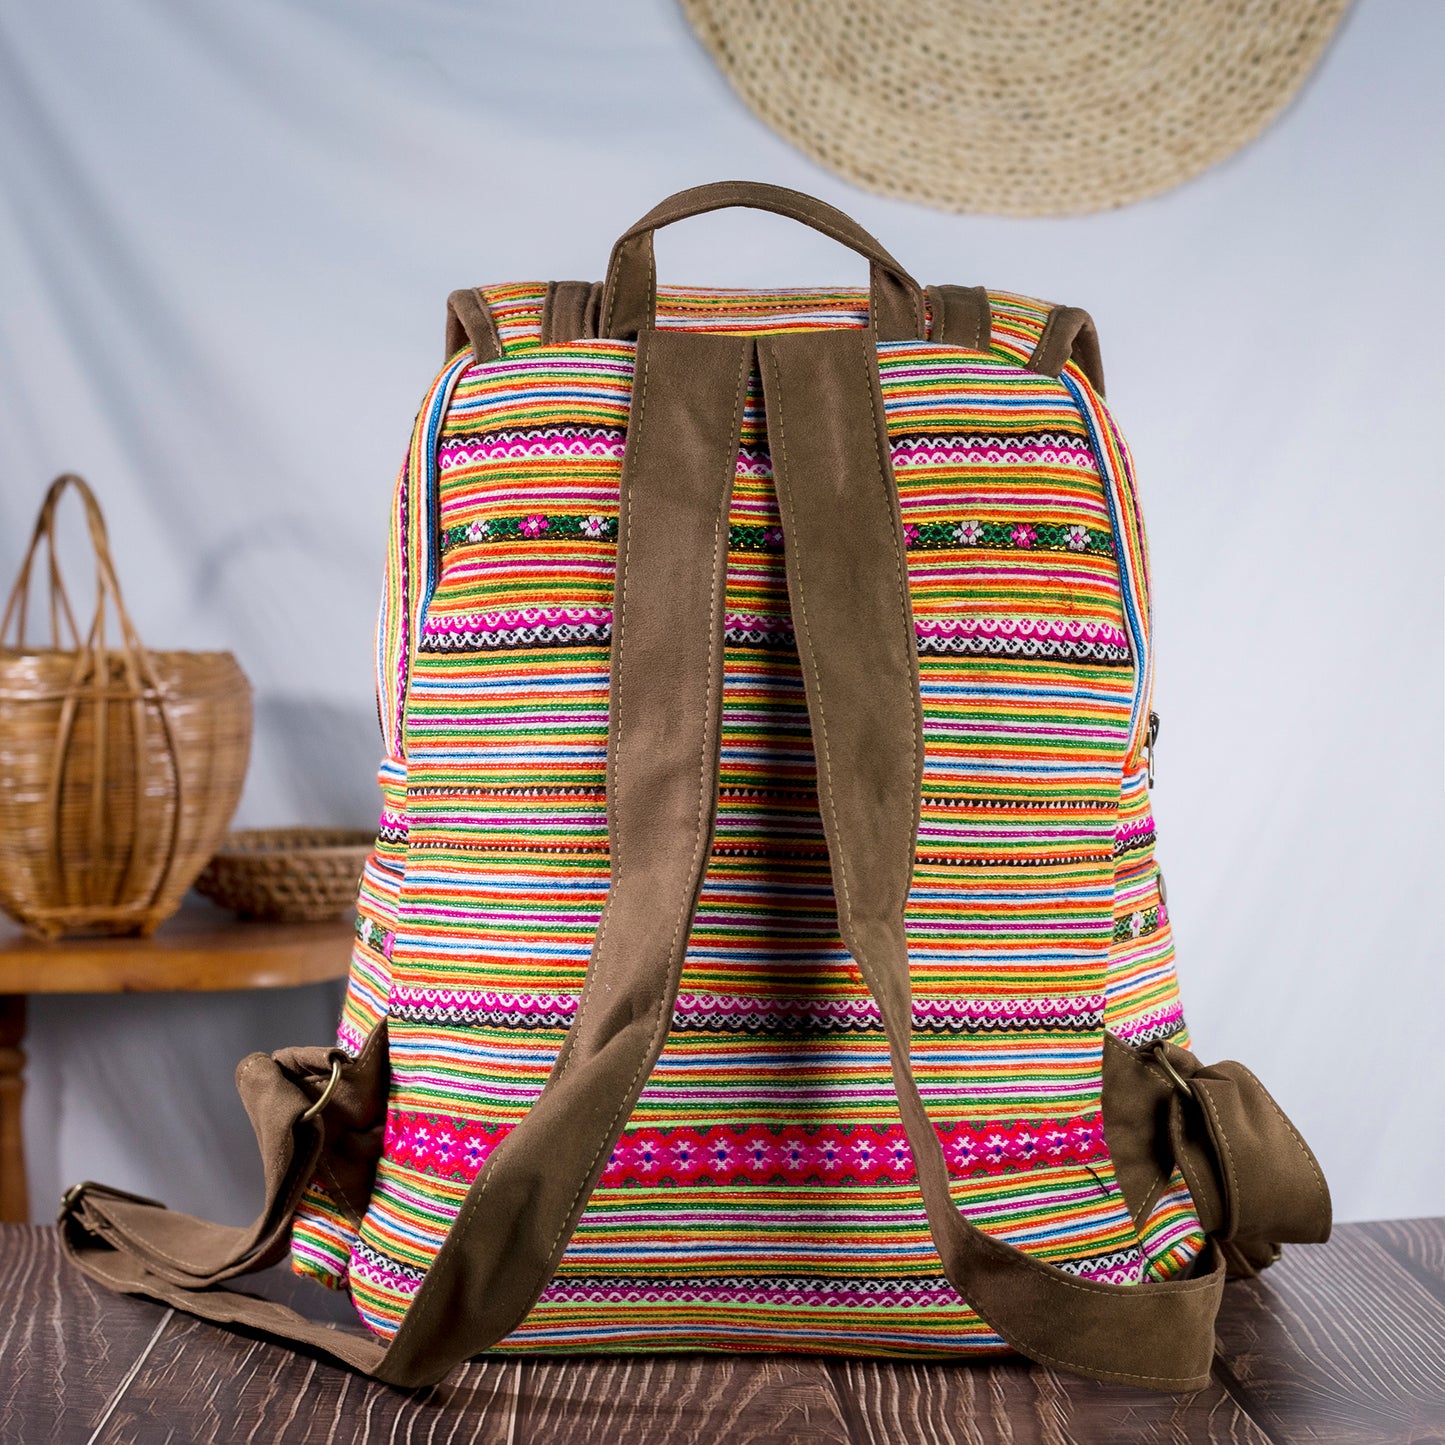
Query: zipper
[(1121, 502)]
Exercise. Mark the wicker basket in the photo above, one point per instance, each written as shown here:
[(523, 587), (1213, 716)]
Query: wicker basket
[(291, 875), (119, 768)]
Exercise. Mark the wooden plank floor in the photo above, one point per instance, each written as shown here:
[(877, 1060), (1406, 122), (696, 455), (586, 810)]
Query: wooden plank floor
[(1340, 1343)]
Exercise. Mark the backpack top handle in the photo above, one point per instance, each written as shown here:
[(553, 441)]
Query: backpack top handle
[(629, 295)]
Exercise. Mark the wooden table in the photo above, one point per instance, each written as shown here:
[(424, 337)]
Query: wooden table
[(1338, 1343), (201, 949)]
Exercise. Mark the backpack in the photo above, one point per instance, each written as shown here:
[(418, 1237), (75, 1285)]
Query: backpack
[(763, 947)]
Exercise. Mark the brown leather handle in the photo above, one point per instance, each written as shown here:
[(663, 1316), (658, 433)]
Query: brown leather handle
[(629, 296)]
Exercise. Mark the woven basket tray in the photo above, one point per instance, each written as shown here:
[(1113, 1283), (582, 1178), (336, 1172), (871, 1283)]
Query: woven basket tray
[(289, 875)]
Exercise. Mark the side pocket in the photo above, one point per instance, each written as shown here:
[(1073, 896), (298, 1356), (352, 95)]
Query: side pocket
[(1142, 1006), (324, 1228), (324, 1231), (1141, 984), (322, 1238), (1170, 1234)]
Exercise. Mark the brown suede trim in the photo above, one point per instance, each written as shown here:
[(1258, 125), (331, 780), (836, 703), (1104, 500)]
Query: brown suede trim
[(961, 317), (545, 321), (663, 738), (629, 298), (140, 1247), (847, 583), (1253, 1177), (569, 311), (1136, 1100), (274, 1089), (470, 323), (1069, 335), (1270, 1183), (85, 1240)]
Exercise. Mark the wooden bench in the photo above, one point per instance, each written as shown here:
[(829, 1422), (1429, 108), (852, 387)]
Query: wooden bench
[(1338, 1343)]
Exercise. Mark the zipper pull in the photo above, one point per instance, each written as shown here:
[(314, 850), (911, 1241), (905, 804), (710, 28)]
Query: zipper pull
[(1151, 737)]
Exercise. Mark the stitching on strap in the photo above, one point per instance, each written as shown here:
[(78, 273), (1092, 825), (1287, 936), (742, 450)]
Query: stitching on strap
[(614, 723), (1228, 1220), (1321, 1189), (719, 580)]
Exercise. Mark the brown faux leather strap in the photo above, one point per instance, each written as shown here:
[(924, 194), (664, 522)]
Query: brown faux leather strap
[(960, 316), (629, 295), (662, 760), (137, 1246), (665, 708), (570, 310), (852, 615), (1253, 1179), (470, 323), (1069, 334)]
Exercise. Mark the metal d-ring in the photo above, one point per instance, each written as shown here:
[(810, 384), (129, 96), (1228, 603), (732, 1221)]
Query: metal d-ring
[(1175, 1077), (326, 1093)]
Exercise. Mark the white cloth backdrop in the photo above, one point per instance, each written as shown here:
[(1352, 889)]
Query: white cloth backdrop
[(226, 234)]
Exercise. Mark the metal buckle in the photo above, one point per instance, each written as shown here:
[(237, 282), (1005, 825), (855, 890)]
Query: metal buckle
[(326, 1093), (1151, 737), (68, 1201), (72, 1197), (1175, 1077)]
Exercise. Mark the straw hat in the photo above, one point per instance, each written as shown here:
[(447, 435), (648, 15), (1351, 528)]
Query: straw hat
[(1017, 107)]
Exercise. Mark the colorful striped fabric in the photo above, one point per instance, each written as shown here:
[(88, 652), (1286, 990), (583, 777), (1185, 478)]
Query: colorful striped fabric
[(762, 1196)]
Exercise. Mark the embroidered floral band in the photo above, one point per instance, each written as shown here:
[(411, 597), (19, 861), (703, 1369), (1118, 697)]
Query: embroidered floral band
[(457, 1149), (918, 536)]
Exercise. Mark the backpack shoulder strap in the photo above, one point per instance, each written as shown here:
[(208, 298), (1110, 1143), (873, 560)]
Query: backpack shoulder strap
[(1069, 334), (470, 323), (663, 748), (1043, 337), (959, 316), (570, 311)]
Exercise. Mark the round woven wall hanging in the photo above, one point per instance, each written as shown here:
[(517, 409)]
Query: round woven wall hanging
[(1017, 107)]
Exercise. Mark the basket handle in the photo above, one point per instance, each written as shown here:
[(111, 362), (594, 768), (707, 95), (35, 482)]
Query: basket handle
[(18, 605), (107, 586), (91, 672)]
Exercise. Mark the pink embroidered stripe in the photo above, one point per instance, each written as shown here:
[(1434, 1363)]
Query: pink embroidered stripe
[(867, 1154)]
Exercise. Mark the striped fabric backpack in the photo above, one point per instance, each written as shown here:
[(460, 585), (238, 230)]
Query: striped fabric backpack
[(763, 947)]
